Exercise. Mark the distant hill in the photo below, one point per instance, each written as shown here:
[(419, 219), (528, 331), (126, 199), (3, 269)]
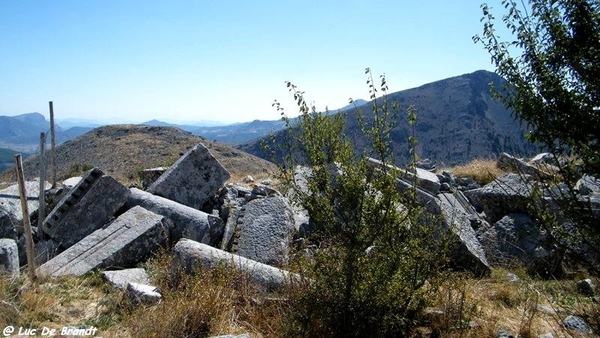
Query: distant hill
[(123, 150), (457, 120), (22, 132), (7, 158)]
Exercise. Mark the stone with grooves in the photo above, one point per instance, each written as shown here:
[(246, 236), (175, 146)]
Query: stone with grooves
[(125, 242), (87, 207), (265, 227), (120, 278), (508, 194), (190, 255), (9, 257), (187, 222), (193, 179), (510, 163)]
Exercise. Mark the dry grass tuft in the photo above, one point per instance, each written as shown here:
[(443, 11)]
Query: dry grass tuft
[(482, 171)]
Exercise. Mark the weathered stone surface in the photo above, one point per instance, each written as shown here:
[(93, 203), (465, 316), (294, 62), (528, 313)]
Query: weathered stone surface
[(245, 335), (45, 250), (425, 179), (9, 257), (120, 278), (470, 254), (72, 182), (125, 242), (507, 194), (143, 294), (190, 255), (193, 179), (588, 185), (10, 205), (517, 238), (511, 163), (7, 226), (577, 324), (87, 207), (187, 222), (264, 228)]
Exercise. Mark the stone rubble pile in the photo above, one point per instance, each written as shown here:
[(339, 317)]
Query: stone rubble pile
[(97, 223)]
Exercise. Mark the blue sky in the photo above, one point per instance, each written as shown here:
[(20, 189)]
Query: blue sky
[(227, 61)]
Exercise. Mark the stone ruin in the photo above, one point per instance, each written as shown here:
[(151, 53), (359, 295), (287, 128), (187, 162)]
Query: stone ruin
[(100, 224)]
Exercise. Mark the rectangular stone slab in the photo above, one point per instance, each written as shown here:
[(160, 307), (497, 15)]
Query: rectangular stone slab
[(87, 207), (125, 242)]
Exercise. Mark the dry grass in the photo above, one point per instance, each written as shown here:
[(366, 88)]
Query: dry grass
[(224, 302), (482, 171)]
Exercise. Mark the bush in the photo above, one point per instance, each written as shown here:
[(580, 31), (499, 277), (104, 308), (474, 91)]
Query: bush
[(375, 252)]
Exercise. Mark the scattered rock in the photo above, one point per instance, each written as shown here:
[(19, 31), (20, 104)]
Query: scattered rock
[(511, 277), (588, 185), (72, 182), (577, 324), (125, 242), (10, 205), (143, 294), (9, 257), (510, 163), (508, 194), (120, 278), (248, 179), (87, 207), (586, 287), (503, 334), (187, 222), (425, 179), (193, 179), (244, 335), (190, 255), (266, 181)]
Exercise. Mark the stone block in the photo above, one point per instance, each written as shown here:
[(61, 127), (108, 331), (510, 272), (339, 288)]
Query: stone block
[(264, 229), (9, 257), (190, 255), (186, 221), (87, 207), (143, 294), (193, 179), (10, 205), (124, 242), (120, 278)]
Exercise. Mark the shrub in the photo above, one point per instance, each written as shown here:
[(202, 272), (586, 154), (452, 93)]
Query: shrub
[(376, 248)]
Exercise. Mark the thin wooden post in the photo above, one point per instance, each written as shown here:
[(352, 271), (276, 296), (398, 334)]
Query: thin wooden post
[(42, 195), (26, 223), (52, 145)]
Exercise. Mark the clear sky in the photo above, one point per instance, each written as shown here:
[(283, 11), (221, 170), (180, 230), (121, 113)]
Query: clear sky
[(223, 60)]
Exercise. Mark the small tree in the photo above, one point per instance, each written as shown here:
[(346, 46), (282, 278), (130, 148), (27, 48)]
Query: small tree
[(375, 253), (554, 87), (555, 82)]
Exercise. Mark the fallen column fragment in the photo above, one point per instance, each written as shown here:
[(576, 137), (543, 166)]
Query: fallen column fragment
[(125, 242), (189, 255), (187, 222)]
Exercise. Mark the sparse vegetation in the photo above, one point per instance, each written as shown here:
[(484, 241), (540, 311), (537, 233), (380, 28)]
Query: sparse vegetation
[(482, 171)]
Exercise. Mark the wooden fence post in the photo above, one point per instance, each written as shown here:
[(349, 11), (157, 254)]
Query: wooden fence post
[(52, 145), (42, 195), (26, 223)]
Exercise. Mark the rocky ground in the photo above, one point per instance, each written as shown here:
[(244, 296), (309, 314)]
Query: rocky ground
[(210, 212)]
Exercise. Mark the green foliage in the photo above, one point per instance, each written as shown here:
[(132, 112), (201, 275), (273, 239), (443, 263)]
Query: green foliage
[(555, 82), (554, 86), (375, 255)]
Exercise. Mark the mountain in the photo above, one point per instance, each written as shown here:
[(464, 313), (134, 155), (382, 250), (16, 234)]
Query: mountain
[(22, 129), (7, 158), (457, 120)]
